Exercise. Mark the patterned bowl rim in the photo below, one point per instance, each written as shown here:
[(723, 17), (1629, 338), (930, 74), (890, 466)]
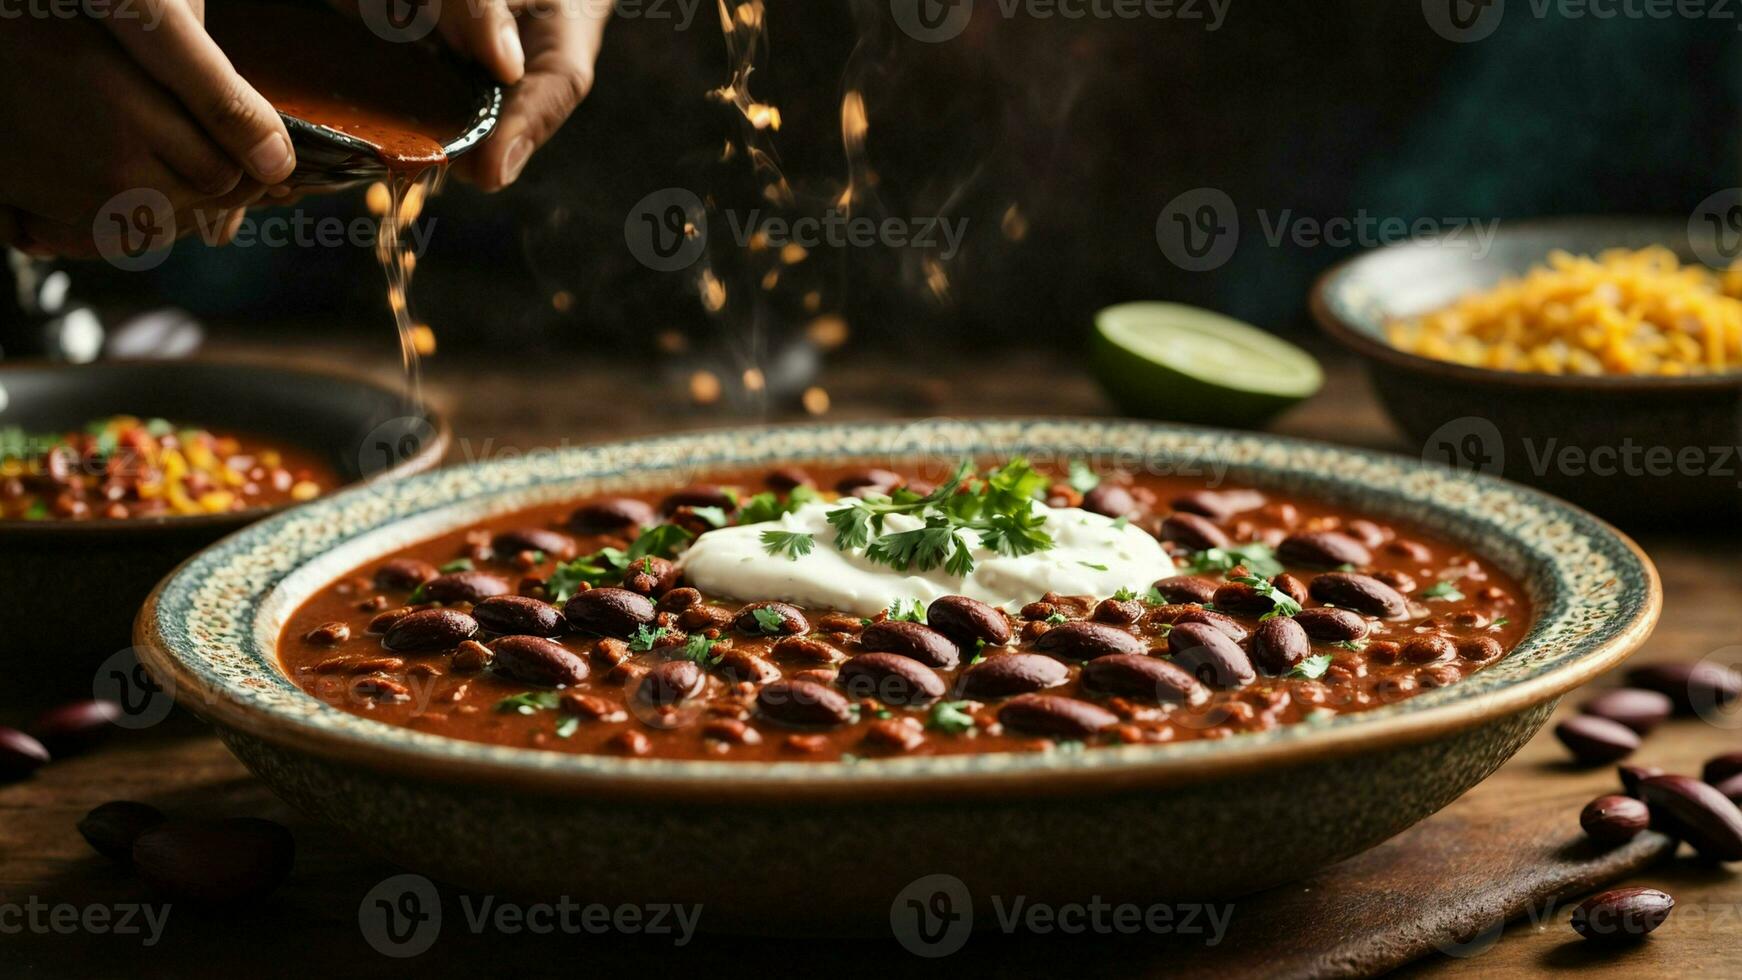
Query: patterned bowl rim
[(208, 631)]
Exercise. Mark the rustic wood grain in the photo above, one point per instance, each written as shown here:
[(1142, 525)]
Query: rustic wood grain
[(1510, 848)]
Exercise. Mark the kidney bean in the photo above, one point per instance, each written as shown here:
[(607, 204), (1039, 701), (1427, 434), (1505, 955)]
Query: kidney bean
[(1278, 644), (699, 495), (1721, 767), (1621, 915), (1143, 678), (536, 660), (1226, 625), (807, 648), (1479, 649), (1110, 500), (609, 612), (1193, 532), (914, 640), (786, 479), (517, 614), (1367, 532), (1186, 588), (1614, 819), (1210, 656), (1362, 593), (652, 577), (1050, 714), (464, 587), (803, 704), (672, 682), (742, 665), (214, 861), (1593, 740), (20, 755), (112, 828), (1698, 813), (1691, 686), (792, 621), (612, 515), (385, 621), (1413, 551), (1396, 579), (1637, 708), (700, 618), (591, 707), (1290, 586), (552, 543), (327, 635), (1081, 640), (1219, 504), (882, 481), (1118, 612), (890, 678), (1323, 549), (677, 600), (429, 630), (472, 656), (900, 734), (1428, 648), (1328, 625), (404, 573), (968, 621), (1632, 776), (1009, 674), (74, 727)]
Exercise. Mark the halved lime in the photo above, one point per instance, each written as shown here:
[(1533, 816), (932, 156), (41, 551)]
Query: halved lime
[(1185, 364)]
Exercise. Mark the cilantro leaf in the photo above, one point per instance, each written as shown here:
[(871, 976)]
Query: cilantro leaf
[(1092, 565), (768, 620), (457, 565), (598, 568), (1443, 590), (1255, 555), (529, 703), (913, 615), (1082, 479), (793, 545), (700, 649), (1281, 603), (951, 716), (661, 541), (645, 639), (1312, 668)]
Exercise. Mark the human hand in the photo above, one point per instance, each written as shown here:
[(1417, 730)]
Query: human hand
[(101, 112), (546, 50)]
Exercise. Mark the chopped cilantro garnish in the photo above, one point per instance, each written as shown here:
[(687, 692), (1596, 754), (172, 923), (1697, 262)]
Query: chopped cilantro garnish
[(1502, 621), (768, 620), (1092, 565), (765, 507), (916, 614), (1057, 618), (1255, 555), (791, 545), (528, 703), (1312, 668), (712, 516), (999, 508), (951, 716), (661, 541), (567, 727), (700, 649), (457, 565), (644, 638), (1152, 596), (1443, 590), (1082, 479), (1124, 595), (1281, 603)]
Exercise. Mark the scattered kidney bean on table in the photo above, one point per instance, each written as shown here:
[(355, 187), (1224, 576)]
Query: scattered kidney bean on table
[(568, 627)]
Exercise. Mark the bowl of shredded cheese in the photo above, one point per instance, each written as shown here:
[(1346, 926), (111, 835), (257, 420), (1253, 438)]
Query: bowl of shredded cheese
[(1599, 358)]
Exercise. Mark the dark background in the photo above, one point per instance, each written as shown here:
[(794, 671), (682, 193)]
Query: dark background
[(1089, 128)]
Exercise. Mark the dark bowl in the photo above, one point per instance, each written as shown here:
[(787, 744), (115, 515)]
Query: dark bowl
[(73, 587), (1644, 450)]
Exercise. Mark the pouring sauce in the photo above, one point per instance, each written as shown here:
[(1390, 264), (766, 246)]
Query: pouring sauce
[(401, 99)]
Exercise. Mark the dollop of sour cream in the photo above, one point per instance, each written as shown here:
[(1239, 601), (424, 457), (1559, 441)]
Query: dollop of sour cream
[(1091, 555)]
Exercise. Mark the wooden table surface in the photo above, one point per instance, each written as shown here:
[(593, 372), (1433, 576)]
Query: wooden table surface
[(312, 921)]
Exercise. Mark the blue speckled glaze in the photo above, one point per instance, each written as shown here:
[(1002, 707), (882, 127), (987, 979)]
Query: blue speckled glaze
[(218, 617)]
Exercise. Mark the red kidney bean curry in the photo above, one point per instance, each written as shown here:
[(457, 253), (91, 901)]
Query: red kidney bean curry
[(124, 467), (569, 628)]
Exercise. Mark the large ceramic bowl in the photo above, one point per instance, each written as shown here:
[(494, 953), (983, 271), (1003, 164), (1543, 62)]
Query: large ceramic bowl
[(77, 585), (800, 845), (1640, 449)]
